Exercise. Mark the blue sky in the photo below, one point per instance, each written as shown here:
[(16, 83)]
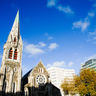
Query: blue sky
[(61, 33)]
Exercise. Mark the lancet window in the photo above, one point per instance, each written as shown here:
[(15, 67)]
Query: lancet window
[(15, 39), (15, 54), (10, 53)]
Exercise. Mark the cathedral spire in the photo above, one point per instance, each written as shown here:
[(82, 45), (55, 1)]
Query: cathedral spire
[(12, 60), (17, 17), (15, 31)]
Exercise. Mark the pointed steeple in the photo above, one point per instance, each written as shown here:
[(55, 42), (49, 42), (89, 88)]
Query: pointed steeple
[(15, 27), (15, 31), (17, 17)]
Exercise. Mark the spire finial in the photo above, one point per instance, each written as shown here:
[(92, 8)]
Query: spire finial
[(17, 17), (15, 31)]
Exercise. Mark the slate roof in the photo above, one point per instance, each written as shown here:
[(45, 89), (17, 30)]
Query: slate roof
[(26, 75)]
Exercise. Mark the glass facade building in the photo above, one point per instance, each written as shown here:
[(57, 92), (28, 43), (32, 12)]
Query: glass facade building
[(89, 64)]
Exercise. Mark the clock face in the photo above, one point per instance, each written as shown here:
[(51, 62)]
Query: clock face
[(40, 79)]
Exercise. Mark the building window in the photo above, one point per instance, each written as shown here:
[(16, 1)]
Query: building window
[(15, 39), (40, 70), (40, 79), (10, 53), (15, 54)]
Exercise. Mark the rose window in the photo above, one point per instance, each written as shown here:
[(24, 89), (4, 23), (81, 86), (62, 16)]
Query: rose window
[(40, 79)]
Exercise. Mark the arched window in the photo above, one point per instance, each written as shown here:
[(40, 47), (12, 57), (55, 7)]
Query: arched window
[(10, 53), (40, 70), (15, 54), (15, 39)]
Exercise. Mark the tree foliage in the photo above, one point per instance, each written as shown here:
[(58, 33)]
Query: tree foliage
[(85, 83), (68, 86)]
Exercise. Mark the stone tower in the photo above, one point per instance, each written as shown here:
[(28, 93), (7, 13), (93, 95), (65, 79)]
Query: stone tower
[(11, 71)]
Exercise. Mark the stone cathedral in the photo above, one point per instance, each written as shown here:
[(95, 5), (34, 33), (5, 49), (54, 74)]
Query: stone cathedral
[(36, 82)]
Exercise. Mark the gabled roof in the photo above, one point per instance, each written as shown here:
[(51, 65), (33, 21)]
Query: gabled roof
[(26, 75), (29, 72)]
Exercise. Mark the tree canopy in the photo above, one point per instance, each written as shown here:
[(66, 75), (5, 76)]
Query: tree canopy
[(84, 83), (68, 86)]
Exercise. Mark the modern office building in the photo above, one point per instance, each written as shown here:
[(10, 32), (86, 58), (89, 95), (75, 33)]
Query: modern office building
[(89, 64), (57, 75)]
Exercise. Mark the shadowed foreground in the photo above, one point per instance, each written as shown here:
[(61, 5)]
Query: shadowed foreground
[(47, 89)]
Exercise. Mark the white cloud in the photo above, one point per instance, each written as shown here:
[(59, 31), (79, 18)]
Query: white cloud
[(81, 24), (51, 3), (53, 46), (32, 49), (41, 44), (70, 64), (64, 9), (55, 4), (91, 14), (56, 64)]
